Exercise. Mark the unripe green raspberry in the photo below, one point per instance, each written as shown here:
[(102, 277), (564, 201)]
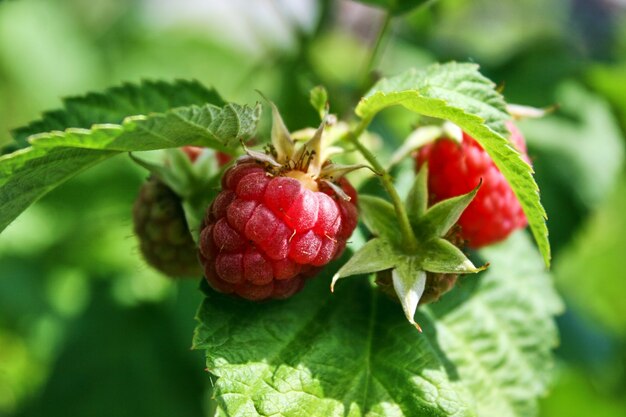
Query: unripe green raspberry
[(164, 238)]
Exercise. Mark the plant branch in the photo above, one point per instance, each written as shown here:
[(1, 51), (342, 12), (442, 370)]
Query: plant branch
[(408, 237), (369, 66)]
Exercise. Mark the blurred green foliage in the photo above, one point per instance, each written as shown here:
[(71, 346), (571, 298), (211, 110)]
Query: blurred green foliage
[(87, 329)]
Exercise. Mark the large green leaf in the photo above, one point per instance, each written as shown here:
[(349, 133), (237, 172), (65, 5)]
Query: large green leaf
[(115, 104), (459, 93), (54, 157), (27, 175), (590, 271), (609, 80), (582, 144), (136, 352), (208, 125), (485, 350)]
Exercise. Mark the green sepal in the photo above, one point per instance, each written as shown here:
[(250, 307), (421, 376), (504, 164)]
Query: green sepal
[(376, 255), (410, 272), (441, 256), (379, 216), (409, 282), (439, 219), (281, 138), (434, 254), (196, 205), (417, 200), (196, 183), (160, 171), (199, 184)]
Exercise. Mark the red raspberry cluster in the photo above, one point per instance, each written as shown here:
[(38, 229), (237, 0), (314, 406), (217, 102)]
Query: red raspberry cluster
[(264, 235), (456, 168)]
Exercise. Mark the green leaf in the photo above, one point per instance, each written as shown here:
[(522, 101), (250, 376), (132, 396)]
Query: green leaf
[(609, 80), (28, 174), (115, 104), (148, 336), (485, 350), (511, 311), (590, 271), (379, 216), (376, 255), (323, 355), (319, 100), (197, 182), (459, 93), (397, 7), (447, 91), (209, 125)]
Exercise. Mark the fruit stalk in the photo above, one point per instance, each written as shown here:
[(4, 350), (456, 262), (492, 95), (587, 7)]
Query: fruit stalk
[(408, 238), (369, 66)]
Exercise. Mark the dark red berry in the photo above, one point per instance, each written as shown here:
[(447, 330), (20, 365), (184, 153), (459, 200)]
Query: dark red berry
[(457, 168), (264, 235)]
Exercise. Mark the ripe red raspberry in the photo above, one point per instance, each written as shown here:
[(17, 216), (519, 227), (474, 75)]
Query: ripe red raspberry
[(455, 169), (161, 227), (193, 152), (264, 235)]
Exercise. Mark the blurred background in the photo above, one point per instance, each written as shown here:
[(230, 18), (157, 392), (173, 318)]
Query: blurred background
[(86, 329)]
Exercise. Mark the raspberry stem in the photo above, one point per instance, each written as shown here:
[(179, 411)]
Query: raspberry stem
[(408, 237), (371, 61)]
